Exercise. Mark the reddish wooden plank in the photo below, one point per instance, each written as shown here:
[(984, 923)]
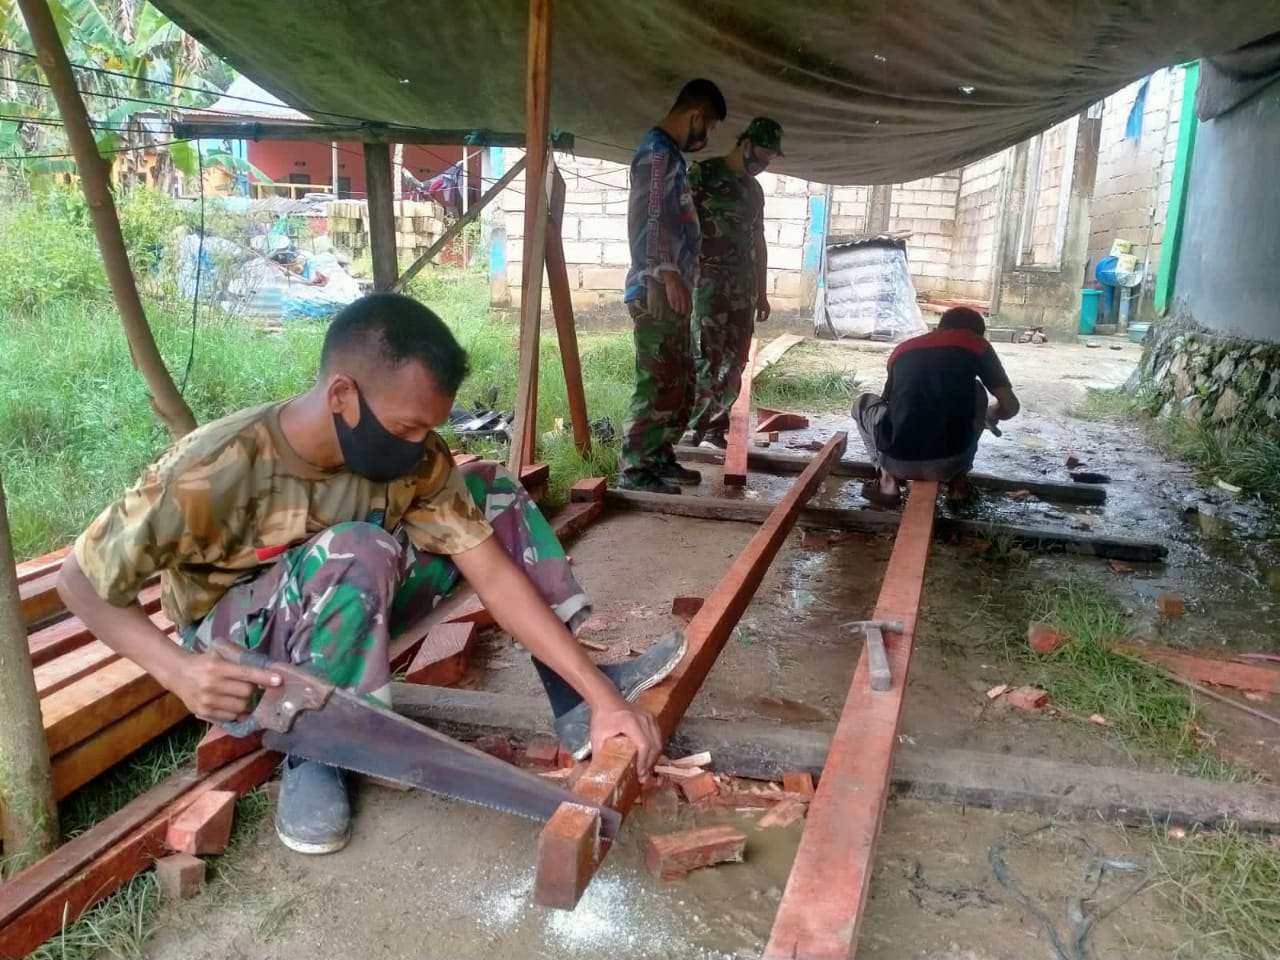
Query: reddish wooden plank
[(735, 457), (1208, 669), (219, 748), (103, 749), (585, 491), (443, 657), (671, 856), (180, 876), (39, 566), (70, 667), (562, 310), (99, 861), (81, 709), (47, 643), (781, 421), (204, 828), (822, 906), (611, 776), (40, 599)]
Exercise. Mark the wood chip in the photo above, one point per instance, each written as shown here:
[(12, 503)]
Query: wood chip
[(999, 690), (1118, 566), (1099, 719), (678, 773), (693, 760), (593, 645), (783, 815), (497, 664)]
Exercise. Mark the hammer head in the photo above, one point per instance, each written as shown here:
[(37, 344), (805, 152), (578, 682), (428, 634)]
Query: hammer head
[(884, 626)]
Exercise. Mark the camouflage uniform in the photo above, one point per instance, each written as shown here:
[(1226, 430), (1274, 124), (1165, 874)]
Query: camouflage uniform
[(318, 568), (731, 212)]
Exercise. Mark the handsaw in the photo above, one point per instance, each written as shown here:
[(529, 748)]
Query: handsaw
[(308, 717)]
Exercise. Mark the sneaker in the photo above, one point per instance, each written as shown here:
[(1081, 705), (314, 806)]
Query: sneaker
[(717, 439), (675, 473), (646, 483), (313, 814), (691, 439), (632, 678)]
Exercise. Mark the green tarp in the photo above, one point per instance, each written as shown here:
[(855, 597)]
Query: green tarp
[(868, 90)]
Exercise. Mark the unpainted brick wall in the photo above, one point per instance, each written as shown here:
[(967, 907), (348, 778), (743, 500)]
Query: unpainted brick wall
[(1135, 174), (1053, 192), (977, 227)]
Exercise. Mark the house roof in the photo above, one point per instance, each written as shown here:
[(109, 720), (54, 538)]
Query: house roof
[(866, 91), (244, 98)]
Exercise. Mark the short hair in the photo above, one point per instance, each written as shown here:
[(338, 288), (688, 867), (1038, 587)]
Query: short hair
[(963, 318), (701, 94), (387, 330)]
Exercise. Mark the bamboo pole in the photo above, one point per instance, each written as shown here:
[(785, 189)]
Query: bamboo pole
[(166, 401), (28, 809)]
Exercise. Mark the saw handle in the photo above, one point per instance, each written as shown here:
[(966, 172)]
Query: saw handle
[(246, 658), (278, 706)]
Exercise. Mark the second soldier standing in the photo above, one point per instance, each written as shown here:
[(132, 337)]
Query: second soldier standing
[(732, 292)]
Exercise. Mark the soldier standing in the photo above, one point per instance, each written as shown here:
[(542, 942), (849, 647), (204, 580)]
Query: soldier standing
[(662, 225), (732, 294)]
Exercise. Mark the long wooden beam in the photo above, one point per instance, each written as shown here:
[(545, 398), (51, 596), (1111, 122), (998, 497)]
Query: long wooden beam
[(457, 226), (1036, 539), (194, 127), (735, 456), (760, 750), (562, 310), (822, 905), (571, 849), (382, 214), (768, 462)]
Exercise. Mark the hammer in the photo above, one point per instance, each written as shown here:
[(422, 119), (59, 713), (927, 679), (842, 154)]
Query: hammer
[(877, 659)]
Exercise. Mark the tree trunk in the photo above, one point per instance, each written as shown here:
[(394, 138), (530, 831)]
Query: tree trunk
[(166, 401), (28, 809)]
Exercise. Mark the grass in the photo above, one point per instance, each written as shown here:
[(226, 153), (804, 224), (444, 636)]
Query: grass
[(1110, 404)]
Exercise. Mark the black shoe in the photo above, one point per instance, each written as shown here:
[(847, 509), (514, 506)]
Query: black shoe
[(632, 678), (717, 439), (691, 439), (675, 473), (646, 483), (313, 814)]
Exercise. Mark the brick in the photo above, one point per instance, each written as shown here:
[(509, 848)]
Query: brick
[(497, 745), (205, 826), (603, 228), (604, 278), (798, 782), (1171, 605), (180, 875), (686, 607), (1027, 698), (1042, 638), (786, 208), (582, 251), (793, 283), (791, 234), (701, 787), (672, 855), (783, 815), (444, 656), (787, 258), (543, 752), (617, 254), (588, 490)]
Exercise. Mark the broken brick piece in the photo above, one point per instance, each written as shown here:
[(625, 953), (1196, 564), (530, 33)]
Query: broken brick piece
[(798, 782), (444, 656), (783, 815), (543, 752), (585, 491), (1027, 698), (686, 607), (1042, 637), (180, 876), (205, 826), (699, 788), (672, 855), (812, 540), (1171, 605), (497, 745)]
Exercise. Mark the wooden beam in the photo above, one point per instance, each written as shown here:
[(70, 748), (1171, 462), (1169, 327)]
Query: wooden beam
[(39, 600), (38, 566), (772, 351), (780, 421), (611, 777), (878, 522), (112, 742), (194, 127), (1201, 668), (58, 889), (457, 227), (822, 905), (67, 669), (382, 214), (57, 639), (735, 457), (91, 168), (85, 707), (760, 750), (785, 463), (562, 309)]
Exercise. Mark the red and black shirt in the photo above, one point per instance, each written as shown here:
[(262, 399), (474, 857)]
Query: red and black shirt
[(931, 394)]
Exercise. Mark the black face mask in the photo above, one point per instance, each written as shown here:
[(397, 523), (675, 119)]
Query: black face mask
[(374, 452), (695, 141), (753, 164)]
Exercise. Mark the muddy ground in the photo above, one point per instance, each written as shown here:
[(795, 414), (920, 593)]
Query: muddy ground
[(428, 878)]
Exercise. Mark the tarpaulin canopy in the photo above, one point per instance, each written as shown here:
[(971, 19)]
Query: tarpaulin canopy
[(867, 90)]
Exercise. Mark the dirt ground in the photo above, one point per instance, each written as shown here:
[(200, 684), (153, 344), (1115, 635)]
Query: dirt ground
[(426, 877)]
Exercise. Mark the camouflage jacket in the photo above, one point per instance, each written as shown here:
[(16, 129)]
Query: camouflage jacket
[(731, 213)]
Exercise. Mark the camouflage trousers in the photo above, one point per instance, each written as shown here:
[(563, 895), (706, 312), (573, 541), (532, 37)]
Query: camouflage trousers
[(663, 393), (334, 604), (722, 331)]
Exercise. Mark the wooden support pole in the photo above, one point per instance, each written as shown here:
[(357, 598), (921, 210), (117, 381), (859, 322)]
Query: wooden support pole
[(822, 905), (611, 777), (218, 128), (457, 227), (524, 430), (562, 309), (166, 401), (28, 810), (735, 457), (382, 214)]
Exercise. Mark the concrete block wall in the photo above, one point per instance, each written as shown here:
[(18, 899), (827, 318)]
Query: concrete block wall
[(594, 233), (1131, 196), (978, 223), (1043, 249), (927, 208), (849, 211)]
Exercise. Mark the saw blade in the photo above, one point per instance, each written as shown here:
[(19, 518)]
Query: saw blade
[(353, 734)]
